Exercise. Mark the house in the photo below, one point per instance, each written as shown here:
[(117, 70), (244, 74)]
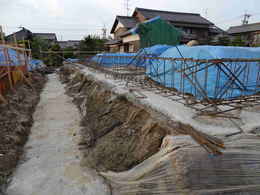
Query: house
[(23, 34), (193, 27), (250, 33), (49, 37), (70, 43)]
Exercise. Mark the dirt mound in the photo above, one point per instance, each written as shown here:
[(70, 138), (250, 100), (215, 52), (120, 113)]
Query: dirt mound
[(15, 123)]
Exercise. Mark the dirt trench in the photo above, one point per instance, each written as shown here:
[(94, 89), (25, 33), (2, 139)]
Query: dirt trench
[(15, 124), (119, 133)]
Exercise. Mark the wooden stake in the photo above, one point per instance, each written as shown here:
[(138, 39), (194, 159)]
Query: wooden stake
[(7, 57), (2, 35), (3, 99), (15, 41)]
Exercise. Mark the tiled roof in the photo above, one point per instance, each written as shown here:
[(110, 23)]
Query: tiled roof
[(244, 28), (174, 16), (112, 42), (127, 21), (48, 36)]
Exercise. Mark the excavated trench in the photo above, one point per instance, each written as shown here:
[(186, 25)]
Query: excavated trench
[(15, 124), (119, 133), (141, 151)]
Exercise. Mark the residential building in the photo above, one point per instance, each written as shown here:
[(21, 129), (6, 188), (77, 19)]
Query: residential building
[(23, 34), (70, 43), (250, 33), (50, 37), (193, 27)]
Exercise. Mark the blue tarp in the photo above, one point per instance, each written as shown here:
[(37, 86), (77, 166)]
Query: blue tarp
[(166, 72), (35, 64), (14, 57), (124, 59), (72, 60), (217, 84), (113, 59)]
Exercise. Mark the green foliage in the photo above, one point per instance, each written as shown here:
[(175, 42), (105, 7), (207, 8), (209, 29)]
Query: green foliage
[(69, 52), (53, 58), (38, 45), (238, 41), (92, 43), (224, 41)]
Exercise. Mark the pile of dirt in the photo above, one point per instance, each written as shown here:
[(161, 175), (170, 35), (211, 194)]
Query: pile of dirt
[(15, 123)]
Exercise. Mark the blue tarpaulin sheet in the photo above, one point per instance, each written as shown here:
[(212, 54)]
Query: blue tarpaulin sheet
[(14, 57), (124, 59), (113, 59), (166, 72), (218, 83), (35, 64), (72, 60)]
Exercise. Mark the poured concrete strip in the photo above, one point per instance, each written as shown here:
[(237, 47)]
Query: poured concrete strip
[(52, 159)]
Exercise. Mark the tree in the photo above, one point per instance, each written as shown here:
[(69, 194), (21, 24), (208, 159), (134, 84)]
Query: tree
[(92, 43), (223, 40), (69, 52), (238, 41), (38, 45), (54, 58)]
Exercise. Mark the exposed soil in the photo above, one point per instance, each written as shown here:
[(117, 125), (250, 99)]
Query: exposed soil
[(15, 123), (118, 133)]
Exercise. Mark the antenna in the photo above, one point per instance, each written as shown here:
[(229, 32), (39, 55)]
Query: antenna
[(127, 6), (246, 18)]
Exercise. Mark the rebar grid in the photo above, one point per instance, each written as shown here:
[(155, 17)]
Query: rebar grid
[(188, 80)]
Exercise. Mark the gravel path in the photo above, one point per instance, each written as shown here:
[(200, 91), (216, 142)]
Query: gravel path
[(52, 159)]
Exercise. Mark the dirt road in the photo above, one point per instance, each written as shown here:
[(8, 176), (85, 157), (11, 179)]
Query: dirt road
[(52, 160)]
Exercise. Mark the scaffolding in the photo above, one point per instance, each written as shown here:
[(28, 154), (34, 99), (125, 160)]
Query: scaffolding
[(13, 67)]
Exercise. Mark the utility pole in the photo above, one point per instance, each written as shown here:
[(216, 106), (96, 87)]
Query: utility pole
[(246, 18), (127, 6), (104, 32)]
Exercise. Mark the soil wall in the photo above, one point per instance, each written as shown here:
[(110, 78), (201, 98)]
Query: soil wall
[(118, 132), (15, 123)]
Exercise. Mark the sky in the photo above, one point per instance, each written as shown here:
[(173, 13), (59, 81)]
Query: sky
[(74, 19)]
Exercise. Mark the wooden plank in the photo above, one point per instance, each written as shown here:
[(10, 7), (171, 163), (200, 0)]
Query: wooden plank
[(3, 99)]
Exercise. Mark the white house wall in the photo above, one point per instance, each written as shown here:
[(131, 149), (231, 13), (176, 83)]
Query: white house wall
[(119, 25), (131, 38)]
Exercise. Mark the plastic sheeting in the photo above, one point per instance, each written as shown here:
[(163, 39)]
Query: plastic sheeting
[(157, 31), (113, 59), (35, 64), (71, 60), (183, 167), (167, 72), (124, 59), (15, 57)]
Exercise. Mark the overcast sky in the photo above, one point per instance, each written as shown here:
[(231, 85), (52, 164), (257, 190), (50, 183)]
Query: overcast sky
[(73, 19)]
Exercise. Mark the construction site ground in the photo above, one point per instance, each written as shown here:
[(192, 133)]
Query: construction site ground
[(15, 123), (51, 164)]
